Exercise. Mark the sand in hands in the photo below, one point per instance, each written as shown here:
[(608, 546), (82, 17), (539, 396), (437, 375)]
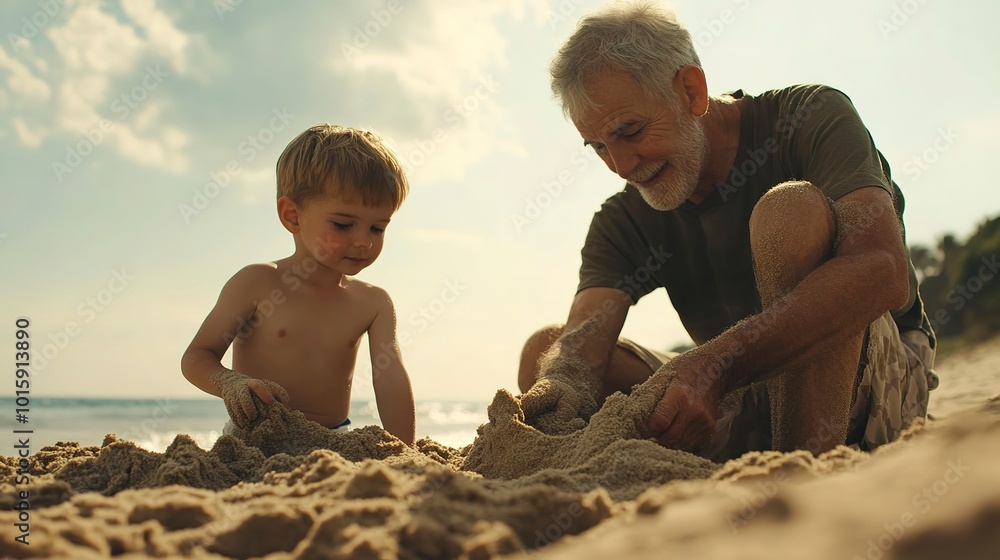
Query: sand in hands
[(608, 453)]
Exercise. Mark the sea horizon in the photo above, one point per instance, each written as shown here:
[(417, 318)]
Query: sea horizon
[(153, 423)]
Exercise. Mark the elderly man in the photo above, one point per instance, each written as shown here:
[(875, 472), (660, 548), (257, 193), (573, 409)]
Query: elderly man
[(775, 227)]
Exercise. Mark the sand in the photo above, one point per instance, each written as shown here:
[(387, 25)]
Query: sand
[(288, 488)]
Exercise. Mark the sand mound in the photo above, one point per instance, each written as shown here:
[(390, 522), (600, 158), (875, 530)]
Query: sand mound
[(935, 495), (290, 485), (289, 488)]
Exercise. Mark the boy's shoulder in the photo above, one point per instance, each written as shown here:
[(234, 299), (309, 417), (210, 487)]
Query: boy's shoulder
[(369, 292), (255, 277), (257, 272)]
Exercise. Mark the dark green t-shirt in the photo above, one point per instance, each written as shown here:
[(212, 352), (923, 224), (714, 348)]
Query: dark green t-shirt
[(701, 253)]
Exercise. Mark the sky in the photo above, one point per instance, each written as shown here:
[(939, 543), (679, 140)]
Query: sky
[(138, 141)]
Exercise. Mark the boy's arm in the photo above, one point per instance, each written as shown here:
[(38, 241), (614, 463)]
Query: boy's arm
[(393, 394), (202, 361)]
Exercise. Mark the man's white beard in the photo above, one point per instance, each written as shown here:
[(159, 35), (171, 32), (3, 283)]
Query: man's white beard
[(681, 179)]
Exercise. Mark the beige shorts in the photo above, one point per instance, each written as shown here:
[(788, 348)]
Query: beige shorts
[(891, 391)]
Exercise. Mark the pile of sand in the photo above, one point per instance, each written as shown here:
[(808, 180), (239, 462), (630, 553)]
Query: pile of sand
[(290, 485), (292, 489)]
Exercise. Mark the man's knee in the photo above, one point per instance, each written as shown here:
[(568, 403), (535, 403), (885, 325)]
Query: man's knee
[(534, 347), (797, 207), (792, 231)]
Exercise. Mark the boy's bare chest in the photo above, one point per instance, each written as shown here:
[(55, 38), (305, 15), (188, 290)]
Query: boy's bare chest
[(298, 319)]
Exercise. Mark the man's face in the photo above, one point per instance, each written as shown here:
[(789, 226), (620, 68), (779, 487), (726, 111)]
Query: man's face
[(658, 148)]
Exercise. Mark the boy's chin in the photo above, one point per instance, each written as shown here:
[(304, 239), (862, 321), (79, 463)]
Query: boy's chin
[(351, 268)]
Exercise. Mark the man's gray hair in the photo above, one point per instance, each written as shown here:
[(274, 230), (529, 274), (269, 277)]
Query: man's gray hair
[(640, 38)]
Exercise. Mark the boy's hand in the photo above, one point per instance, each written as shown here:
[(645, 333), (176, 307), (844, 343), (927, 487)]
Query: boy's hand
[(557, 405), (238, 392)]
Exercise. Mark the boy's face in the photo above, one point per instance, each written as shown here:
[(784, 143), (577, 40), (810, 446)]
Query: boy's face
[(342, 234)]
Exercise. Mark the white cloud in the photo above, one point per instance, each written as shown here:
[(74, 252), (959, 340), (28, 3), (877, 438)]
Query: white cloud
[(28, 135), (93, 41), (164, 150), (444, 59), (163, 37), (95, 52), (22, 80), (257, 184)]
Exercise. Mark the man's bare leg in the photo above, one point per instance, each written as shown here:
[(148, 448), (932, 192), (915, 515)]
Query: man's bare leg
[(793, 230), (625, 369)]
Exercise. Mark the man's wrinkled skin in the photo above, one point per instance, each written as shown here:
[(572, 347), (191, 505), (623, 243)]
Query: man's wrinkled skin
[(820, 287)]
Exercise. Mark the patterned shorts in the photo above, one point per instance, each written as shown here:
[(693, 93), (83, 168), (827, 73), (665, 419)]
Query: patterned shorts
[(891, 390)]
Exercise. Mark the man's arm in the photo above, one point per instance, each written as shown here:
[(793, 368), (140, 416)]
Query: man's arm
[(579, 357), (866, 276), (393, 393), (202, 365)]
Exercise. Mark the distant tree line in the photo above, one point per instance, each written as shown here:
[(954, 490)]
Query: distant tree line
[(960, 283)]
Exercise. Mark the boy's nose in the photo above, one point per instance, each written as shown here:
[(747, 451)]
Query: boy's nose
[(363, 240)]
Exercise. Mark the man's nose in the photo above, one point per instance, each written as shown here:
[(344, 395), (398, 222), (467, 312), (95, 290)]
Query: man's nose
[(622, 160)]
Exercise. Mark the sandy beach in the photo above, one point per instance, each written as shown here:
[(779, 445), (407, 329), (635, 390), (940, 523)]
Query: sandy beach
[(291, 489)]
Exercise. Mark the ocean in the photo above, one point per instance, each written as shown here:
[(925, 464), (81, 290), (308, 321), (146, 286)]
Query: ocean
[(154, 423)]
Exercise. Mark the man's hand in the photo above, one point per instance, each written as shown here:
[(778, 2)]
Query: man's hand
[(241, 394), (557, 405), (685, 416)]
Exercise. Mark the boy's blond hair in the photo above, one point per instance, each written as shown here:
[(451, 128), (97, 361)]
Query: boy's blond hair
[(351, 161)]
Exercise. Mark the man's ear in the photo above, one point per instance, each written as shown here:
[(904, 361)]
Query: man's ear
[(288, 213), (692, 88)]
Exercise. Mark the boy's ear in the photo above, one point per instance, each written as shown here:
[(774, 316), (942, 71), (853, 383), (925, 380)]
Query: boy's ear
[(288, 213)]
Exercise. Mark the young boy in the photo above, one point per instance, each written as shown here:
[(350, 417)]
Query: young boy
[(297, 322)]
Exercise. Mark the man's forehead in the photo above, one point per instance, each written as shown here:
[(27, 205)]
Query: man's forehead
[(615, 98), (609, 127)]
